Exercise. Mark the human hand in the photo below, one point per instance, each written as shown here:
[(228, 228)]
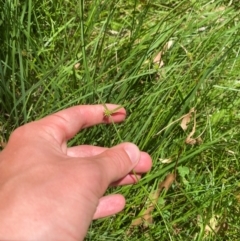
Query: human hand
[(51, 192)]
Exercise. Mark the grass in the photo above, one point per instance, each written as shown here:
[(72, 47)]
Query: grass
[(55, 55)]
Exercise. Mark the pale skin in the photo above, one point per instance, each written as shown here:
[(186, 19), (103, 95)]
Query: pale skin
[(51, 192)]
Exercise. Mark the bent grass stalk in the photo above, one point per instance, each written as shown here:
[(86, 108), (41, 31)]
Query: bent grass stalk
[(108, 114)]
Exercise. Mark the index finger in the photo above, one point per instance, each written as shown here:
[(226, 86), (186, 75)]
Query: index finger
[(64, 124)]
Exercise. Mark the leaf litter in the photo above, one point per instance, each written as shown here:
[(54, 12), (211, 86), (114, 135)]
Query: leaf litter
[(146, 218), (158, 58), (184, 124), (146, 215), (216, 225), (185, 120), (166, 160)]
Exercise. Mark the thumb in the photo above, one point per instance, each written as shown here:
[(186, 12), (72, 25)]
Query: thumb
[(118, 161)]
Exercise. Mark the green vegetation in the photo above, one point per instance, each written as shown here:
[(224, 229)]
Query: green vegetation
[(55, 54)]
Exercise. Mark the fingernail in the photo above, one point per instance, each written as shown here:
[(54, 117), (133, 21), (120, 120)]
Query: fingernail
[(133, 152)]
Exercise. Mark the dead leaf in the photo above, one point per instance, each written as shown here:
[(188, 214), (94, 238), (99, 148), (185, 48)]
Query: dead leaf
[(202, 29), (158, 58), (220, 9), (168, 181), (76, 66), (217, 225), (146, 217), (186, 116), (231, 152), (168, 45), (199, 140), (213, 225), (186, 119), (184, 124), (190, 140), (164, 161)]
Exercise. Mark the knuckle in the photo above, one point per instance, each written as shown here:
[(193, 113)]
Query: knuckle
[(22, 134), (118, 161), (19, 133)]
